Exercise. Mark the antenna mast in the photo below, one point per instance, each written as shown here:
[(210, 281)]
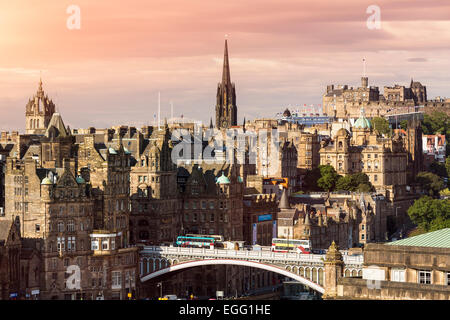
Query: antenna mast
[(159, 109)]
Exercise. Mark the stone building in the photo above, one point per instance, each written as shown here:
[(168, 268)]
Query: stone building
[(416, 268), (364, 150), (155, 203), (307, 145), (260, 218), (212, 201), (345, 102), (10, 246), (349, 220)]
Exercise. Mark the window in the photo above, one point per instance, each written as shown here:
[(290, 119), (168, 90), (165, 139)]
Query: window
[(105, 244), (398, 275), (113, 244), (94, 244), (448, 278), (60, 246), (37, 227), (71, 244), (60, 226), (116, 280), (203, 204), (425, 277), (70, 226)]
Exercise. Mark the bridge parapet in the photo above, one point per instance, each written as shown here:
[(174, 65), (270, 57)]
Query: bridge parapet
[(258, 255)]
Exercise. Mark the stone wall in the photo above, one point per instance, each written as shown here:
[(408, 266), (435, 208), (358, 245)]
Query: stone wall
[(356, 288)]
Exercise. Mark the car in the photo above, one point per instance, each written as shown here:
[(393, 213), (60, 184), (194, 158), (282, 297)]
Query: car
[(170, 297)]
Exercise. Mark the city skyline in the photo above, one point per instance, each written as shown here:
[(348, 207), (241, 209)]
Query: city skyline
[(110, 71)]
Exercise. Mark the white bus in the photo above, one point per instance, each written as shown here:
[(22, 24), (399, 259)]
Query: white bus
[(287, 245)]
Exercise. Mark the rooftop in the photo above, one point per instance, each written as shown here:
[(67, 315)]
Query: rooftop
[(436, 239)]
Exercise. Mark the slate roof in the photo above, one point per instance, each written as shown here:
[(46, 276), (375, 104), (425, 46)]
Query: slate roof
[(436, 239)]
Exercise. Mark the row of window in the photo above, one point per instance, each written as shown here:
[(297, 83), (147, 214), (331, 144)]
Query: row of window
[(212, 217), (204, 205), (71, 210), (423, 276), (20, 179), (70, 226), (18, 191)]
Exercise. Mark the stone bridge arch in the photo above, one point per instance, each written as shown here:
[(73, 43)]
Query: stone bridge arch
[(247, 263)]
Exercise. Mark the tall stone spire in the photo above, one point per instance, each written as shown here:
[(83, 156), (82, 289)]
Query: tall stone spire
[(226, 78), (226, 109)]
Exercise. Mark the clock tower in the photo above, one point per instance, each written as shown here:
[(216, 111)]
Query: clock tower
[(226, 110)]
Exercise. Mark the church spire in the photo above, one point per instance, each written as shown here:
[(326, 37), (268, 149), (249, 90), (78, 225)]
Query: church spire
[(226, 78)]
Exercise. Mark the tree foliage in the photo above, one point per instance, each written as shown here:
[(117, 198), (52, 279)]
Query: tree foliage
[(328, 177), (430, 214), (355, 182), (438, 169), (436, 122), (430, 183), (381, 125)]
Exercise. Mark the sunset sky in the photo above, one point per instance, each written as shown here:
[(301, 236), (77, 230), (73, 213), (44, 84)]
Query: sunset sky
[(281, 52)]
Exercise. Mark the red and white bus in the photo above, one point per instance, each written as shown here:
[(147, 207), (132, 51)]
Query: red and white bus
[(289, 245)]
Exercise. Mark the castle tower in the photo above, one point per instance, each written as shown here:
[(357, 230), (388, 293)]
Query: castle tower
[(38, 112), (226, 109)]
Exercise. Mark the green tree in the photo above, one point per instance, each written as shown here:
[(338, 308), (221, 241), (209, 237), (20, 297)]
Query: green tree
[(430, 183), (381, 125), (436, 122), (328, 178), (355, 182), (447, 166), (364, 187), (430, 214), (438, 169)]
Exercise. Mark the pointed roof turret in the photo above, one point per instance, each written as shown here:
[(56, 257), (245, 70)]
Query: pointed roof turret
[(57, 123), (226, 78), (307, 220), (284, 201)]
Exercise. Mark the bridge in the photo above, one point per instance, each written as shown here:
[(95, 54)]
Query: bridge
[(308, 269)]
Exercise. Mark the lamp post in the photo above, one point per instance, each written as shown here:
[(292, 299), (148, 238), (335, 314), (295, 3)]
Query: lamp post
[(160, 288)]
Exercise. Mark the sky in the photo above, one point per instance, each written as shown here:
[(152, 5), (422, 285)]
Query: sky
[(282, 52)]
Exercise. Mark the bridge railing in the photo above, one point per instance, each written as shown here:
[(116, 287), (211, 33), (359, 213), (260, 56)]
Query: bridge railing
[(245, 254)]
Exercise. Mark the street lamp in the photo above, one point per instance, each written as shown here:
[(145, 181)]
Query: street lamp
[(160, 288)]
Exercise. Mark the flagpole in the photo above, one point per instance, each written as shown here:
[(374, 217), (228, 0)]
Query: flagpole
[(159, 109)]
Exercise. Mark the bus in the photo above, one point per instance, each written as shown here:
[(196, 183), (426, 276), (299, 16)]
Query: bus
[(192, 241), (287, 245), (215, 236)]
